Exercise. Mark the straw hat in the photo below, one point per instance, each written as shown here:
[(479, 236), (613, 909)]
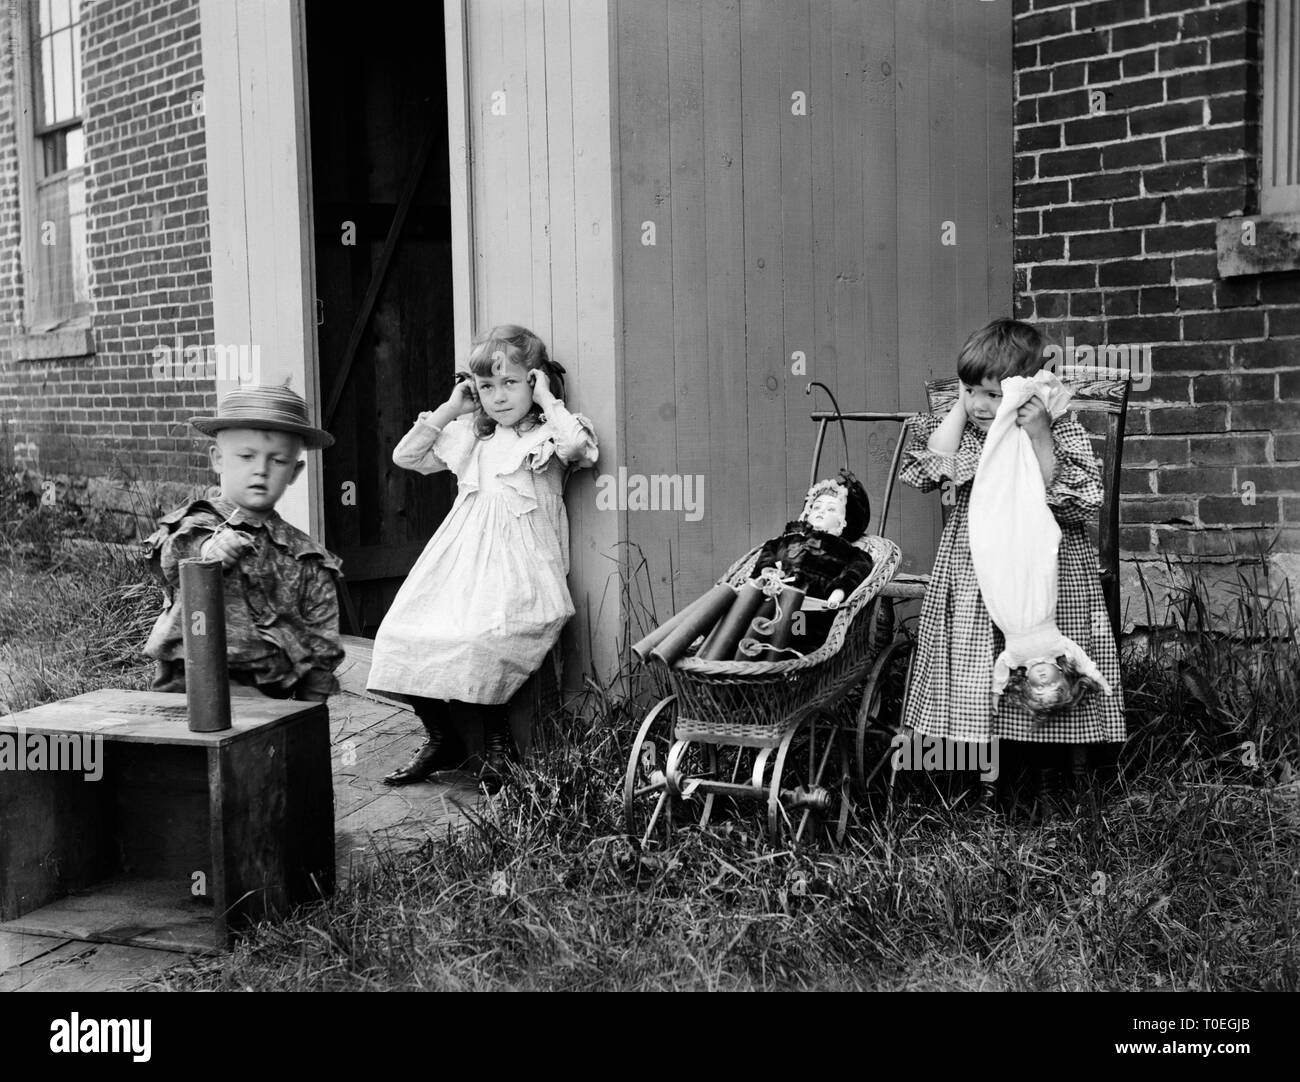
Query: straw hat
[(275, 409)]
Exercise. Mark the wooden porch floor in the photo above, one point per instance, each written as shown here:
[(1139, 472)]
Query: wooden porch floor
[(368, 736)]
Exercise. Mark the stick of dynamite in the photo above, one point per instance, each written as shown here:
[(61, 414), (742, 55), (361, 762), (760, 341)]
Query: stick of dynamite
[(203, 612), (643, 647)]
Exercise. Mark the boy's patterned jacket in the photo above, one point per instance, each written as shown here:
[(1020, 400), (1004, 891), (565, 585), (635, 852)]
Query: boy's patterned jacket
[(282, 614)]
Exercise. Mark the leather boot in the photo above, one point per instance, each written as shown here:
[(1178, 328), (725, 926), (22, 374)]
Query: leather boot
[(426, 761), (497, 749)]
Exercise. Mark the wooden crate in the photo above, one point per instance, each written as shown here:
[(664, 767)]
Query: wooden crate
[(184, 839)]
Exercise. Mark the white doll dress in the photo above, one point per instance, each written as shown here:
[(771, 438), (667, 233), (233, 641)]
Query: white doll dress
[(487, 599)]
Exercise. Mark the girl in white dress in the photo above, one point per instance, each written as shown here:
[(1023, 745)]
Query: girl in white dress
[(487, 599)]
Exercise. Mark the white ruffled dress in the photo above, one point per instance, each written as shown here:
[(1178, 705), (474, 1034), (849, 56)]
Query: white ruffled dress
[(487, 599)]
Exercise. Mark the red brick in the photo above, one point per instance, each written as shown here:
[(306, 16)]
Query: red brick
[(1040, 137), (1082, 219), (1156, 451), (1188, 54), (1132, 152), (1131, 272), (1037, 195), (1105, 186), (1166, 512), (1271, 478), (1282, 321), (1206, 143), (1270, 353), (1179, 238), (1286, 447), (1064, 163), (1136, 212), (1196, 480), (1190, 419), (1135, 64), (1166, 118), (1109, 245), (1085, 304), (1225, 449), (1236, 386), (1135, 94), (1063, 276), (1265, 416), (1174, 178), (1219, 326)]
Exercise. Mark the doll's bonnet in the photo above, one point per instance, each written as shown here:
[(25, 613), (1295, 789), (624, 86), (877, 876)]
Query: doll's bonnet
[(852, 497)]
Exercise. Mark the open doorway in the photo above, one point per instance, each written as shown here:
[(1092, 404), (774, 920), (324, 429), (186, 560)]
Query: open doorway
[(382, 209)]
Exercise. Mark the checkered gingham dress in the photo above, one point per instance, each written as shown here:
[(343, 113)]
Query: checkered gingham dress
[(951, 689)]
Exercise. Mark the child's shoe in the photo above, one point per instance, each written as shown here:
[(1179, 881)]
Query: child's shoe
[(428, 760), (496, 752)]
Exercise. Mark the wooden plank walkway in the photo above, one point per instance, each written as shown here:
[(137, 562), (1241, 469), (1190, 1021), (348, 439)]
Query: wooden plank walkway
[(369, 735)]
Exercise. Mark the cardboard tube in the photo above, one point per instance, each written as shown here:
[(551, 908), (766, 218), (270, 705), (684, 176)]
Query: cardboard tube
[(763, 632), (203, 615), (643, 647), (791, 602), (716, 602), (721, 643)]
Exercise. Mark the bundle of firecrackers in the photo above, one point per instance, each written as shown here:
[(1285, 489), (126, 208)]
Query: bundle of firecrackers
[(798, 582)]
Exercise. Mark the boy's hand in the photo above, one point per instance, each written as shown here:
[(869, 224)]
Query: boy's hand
[(1034, 418), (541, 385), (962, 403), (227, 546)]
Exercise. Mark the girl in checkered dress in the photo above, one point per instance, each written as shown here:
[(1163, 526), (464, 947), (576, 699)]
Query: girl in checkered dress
[(951, 687)]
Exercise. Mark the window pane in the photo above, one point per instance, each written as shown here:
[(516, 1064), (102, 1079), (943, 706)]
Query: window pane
[(44, 24), (47, 83), (53, 252), (54, 147), (59, 14), (75, 149), (60, 244), (77, 243), (76, 11), (76, 71), (63, 75)]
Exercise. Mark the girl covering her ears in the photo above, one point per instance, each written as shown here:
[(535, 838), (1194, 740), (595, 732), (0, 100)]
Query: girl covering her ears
[(487, 599), (950, 694)]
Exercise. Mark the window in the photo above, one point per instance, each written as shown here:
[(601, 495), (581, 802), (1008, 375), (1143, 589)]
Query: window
[(53, 162), (1280, 175)]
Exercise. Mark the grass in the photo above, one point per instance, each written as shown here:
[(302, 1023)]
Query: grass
[(1181, 872), (74, 612)]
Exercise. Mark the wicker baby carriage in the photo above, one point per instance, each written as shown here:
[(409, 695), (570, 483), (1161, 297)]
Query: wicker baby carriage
[(775, 731)]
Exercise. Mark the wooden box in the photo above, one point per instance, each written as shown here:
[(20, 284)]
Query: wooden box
[(184, 838)]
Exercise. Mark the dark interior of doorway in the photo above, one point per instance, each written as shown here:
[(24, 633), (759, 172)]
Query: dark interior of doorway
[(381, 198)]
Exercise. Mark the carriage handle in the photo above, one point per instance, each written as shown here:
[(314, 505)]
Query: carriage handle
[(824, 418)]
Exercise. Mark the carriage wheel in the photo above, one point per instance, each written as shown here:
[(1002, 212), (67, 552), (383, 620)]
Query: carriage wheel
[(658, 790), (810, 793), (881, 711)]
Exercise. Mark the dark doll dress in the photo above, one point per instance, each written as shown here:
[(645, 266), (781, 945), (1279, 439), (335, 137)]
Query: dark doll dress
[(952, 678)]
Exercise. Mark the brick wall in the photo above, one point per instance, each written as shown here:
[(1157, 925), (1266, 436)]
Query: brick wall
[(1115, 243), (147, 244)]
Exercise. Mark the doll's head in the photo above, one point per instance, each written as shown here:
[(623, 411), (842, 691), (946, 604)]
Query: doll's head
[(500, 363), (838, 506), (1046, 687), (1005, 347)]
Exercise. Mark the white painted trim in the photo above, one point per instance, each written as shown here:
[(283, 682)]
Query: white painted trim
[(462, 189), (259, 204)]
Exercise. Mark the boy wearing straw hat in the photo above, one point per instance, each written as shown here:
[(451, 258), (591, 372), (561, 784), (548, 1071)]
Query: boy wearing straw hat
[(282, 616)]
